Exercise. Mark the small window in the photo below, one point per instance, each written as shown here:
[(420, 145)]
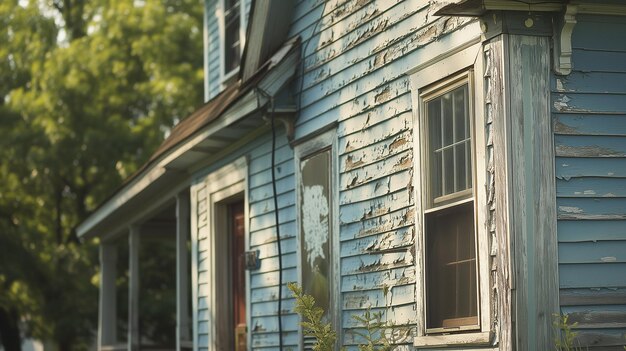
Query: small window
[(231, 37), (232, 23)]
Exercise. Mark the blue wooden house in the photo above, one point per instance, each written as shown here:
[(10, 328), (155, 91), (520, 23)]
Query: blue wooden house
[(456, 165)]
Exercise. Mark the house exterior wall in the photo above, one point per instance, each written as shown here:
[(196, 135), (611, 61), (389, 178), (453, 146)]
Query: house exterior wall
[(355, 59), (589, 113), (354, 80)]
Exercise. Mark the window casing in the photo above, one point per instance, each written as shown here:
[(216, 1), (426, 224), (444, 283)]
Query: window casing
[(449, 231), (452, 257)]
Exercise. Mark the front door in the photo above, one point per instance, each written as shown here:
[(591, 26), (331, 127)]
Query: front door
[(238, 273)]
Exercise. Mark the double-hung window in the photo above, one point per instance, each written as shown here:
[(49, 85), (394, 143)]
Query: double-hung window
[(449, 230), (452, 274)]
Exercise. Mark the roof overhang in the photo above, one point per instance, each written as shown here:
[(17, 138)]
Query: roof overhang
[(476, 8), (169, 171)]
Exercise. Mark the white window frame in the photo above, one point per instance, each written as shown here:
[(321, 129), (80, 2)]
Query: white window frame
[(226, 77), (225, 183), (324, 141), (445, 67)]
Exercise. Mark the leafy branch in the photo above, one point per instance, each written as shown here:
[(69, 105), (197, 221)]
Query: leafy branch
[(564, 336), (312, 320), (376, 332)]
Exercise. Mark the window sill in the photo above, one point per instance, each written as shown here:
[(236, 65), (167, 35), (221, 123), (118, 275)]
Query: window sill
[(468, 339)]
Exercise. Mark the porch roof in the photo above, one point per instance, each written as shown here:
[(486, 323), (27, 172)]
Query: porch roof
[(217, 124)]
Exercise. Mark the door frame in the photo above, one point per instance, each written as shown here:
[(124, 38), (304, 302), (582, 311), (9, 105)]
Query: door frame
[(214, 192)]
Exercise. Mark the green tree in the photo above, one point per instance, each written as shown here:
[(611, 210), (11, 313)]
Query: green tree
[(88, 90)]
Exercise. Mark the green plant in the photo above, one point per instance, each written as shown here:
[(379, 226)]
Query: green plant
[(313, 323), (375, 332), (564, 336)]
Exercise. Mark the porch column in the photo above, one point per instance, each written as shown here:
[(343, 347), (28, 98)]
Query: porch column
[(108, 302), (133, 288), (182, 269)]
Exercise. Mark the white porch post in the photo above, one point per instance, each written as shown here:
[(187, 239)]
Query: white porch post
[(133, 288), (182, 266), (108, 302)]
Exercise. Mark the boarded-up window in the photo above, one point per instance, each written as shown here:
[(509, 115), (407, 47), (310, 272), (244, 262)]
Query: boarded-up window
[(315, 230)]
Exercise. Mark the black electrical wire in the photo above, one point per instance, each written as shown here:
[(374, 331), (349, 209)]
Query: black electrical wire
[(280, 254)]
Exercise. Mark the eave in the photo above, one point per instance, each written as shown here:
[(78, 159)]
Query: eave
[(170, 169), (476, 8)]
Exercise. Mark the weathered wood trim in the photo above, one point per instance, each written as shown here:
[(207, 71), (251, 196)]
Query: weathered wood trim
[(193, 197), (133, 288), (467, 339), (117, 347), (107, 321), (533, 190), (495, 109), (483, 244), (445, 64), (586, 7), (563, 41), (589, 8), (182, 264), (248, 278)]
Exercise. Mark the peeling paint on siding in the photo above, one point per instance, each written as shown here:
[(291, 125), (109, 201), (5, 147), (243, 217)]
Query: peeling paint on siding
[(591, 173)]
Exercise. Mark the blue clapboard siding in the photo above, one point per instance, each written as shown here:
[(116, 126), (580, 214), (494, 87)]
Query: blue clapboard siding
[(264, 281), (211, 50), (589, 114), (354, 62)]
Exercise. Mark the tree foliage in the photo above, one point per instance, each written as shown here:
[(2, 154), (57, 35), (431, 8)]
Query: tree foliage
[(88, 89)]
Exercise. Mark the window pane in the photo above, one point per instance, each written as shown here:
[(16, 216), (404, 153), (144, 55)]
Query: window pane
[(449, 143), (434, 125), (451, 290), (448, 171), (436, 174), (460, 167), (468, 163), (459, 114), (315, 230), (448, 119)]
